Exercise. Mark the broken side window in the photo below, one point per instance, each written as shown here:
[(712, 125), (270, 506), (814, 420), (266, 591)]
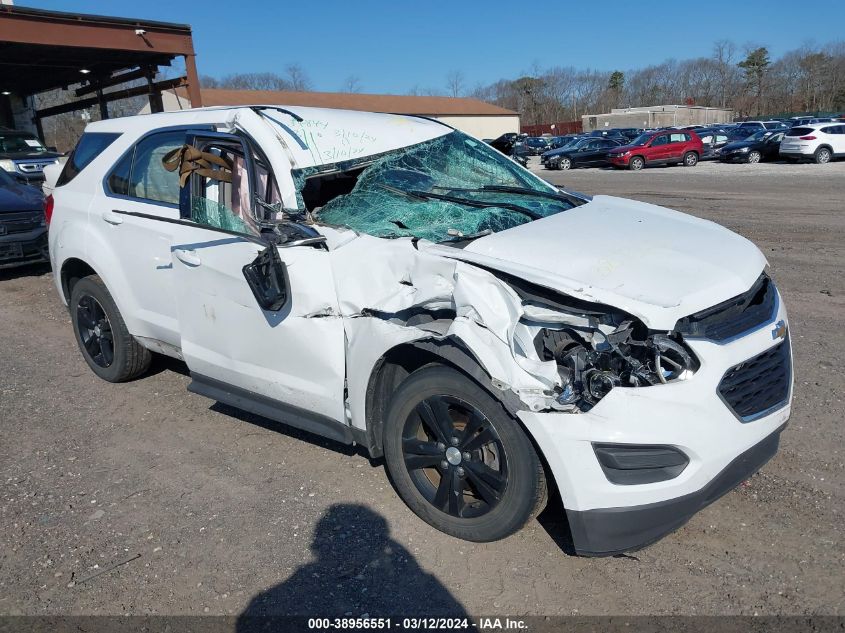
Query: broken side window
[(450, 186)]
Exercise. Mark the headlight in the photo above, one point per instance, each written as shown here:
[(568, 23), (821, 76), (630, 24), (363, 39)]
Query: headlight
[(743, 149), (7, 165), (597, 351)]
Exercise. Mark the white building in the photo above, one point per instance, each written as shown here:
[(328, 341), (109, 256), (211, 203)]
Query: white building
[(475, 117), (656, 116)]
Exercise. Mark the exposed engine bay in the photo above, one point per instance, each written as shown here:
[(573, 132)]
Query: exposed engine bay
[(599, 348)]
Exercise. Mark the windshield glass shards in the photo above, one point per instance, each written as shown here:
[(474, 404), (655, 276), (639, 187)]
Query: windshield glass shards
[(450, 186)]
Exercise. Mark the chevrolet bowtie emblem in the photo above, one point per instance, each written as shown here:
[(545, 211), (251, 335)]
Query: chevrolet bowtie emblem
[(780, 330)]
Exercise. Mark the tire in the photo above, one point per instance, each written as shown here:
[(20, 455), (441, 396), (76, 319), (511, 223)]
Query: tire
[(565, 163), (690, 159), (106, 345), (822, 156), (754, 157), (477, 448), (636, 163)]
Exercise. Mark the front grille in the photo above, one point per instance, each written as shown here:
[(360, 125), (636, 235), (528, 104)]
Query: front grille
[(759, 384), (734, 316), (20, 222)]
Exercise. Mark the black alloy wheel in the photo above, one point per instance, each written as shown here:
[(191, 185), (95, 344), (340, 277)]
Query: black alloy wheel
[(95, 331), (104, 340), (458, 458), (455, 457)]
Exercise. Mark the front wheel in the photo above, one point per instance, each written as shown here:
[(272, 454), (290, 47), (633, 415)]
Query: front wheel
[(458, 459), (565, 163), (754, 157), (636, 163), (690, 159)]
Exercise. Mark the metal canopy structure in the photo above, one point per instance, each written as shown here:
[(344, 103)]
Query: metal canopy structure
[(45, 50)]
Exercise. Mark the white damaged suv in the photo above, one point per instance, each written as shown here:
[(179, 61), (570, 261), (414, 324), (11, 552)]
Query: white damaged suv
[(390, 281)]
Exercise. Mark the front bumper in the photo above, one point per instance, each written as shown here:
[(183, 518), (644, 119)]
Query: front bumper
[(618, 161), (606, 518), (24, 248)]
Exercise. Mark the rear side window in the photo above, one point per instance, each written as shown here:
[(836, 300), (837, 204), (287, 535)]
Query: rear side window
[(87, 149), (679, 138), (141, 174), (800, 131)]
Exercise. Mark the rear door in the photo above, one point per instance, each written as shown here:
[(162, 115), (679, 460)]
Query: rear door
[(659, 150), (240, 348), (677, 145)]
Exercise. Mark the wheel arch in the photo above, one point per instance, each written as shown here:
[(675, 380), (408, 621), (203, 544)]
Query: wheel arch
[(400, 361), (72, 270)]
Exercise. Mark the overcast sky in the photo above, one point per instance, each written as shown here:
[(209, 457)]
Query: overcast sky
[(393, 47)]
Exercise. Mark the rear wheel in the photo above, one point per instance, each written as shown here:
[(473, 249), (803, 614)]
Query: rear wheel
[(754, 157), (690, 159), (106, 345), (458, 459), (822, 156), (636, 163)]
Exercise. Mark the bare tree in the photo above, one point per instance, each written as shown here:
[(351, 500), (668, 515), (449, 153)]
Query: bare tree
[(455, 83), (352, 84), (298, 78), (723, 54)]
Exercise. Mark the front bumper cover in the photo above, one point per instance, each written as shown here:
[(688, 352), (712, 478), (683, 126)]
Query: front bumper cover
[(608, 531)]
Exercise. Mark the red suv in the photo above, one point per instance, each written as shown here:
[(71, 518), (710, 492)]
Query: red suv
[(664, 147)]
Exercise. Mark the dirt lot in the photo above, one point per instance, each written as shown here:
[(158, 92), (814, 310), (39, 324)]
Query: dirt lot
[(206, 510)]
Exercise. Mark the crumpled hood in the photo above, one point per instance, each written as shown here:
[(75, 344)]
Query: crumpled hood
[(655, 263)]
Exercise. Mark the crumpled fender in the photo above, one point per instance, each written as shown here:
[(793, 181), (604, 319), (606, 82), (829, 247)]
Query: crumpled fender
[(379, 304)]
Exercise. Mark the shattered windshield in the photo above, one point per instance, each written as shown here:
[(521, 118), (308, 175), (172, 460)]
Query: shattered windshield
[(449, 187)]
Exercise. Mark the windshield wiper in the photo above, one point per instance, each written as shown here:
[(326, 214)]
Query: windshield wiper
[(574, 200), (425, 195)]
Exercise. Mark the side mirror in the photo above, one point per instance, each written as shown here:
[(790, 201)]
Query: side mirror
[(267, 278)]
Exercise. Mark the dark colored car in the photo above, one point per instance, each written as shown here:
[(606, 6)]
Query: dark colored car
[(763, 145), (505, 143), (535, 145), (588, 152), (23, 226), (712, 140), (611, 133), (663, 147), (23, 156), (556, 142), (572, 138)]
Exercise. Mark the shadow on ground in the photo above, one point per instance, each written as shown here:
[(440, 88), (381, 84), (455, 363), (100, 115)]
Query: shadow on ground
[(358, 570)]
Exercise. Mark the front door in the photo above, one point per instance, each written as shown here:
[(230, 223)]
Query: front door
[(286, 357)]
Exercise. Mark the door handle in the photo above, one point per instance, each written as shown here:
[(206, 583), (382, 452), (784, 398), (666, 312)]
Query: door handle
[(187, 257), (112, 218)]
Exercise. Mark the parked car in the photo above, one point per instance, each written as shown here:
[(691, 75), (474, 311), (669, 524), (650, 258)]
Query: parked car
[(590, 152), (23, 228), (712, 140), (609, 133), (395, 298), (819, 142), (665, 147), (804, 120), (763, 145), (545, 157), (556, 142), (754, 126), (24, 156), (505, 143), (535, 145)]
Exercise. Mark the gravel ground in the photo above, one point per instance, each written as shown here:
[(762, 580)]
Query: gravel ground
[(143, 498)]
